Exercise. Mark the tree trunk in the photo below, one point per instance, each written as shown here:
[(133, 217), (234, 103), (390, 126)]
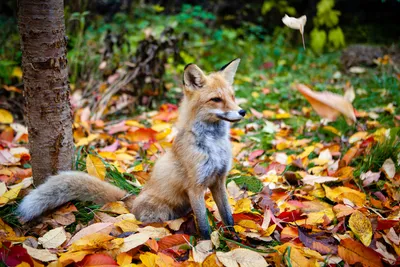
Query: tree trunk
[(46, 90)]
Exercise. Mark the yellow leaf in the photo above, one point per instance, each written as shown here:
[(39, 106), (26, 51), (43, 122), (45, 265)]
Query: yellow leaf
[(10, 195), (92, 241), (339, 193), (161, 126), (163, 134), (296, 256), (95, 167), (249, 224), (24, 264), (148, 259), (124, 259), (108, 155), (70, 257), (361, 227), (332, 130), (86, 140), (6, 117), (357, 137), (125, 156), (17, 72), (128, 225), (307, 151), (243, 205), (282, 116), (269, 230), (117, 207)]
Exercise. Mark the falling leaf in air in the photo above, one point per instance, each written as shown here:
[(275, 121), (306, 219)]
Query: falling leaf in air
[(297, 24), (328, 105)]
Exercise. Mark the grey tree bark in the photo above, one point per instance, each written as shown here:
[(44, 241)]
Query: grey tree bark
[(46, 89)]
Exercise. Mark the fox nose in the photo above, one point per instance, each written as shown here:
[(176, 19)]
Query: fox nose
[(242, 112)]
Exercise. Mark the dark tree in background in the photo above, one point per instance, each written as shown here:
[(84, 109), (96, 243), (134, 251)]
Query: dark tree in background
[(46, 90)]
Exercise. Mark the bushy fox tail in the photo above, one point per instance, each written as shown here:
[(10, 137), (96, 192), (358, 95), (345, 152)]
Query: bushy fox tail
[(64, 187)]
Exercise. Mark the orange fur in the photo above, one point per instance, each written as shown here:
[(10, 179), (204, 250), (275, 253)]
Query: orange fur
[(200, 158)]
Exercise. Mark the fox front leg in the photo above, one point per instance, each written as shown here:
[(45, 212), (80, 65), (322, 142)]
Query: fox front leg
[(220, 197), (199, 209)]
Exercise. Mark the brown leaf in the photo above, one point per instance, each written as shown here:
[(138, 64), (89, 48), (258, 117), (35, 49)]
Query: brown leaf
[(324, 245), (328, 105), (353, 252)]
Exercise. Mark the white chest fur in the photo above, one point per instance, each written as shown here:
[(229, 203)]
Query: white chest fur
[(212, 140)]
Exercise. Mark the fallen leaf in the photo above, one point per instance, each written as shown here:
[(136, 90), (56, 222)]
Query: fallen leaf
[(353, 252), (370, 177), (10, 195), (100, 260), (327, 245), (104, 228), (297, 24), (202, 250), (361, 227), (53, 238), (40, 254), (133, 241), (357, 70), (95, 167), (149, 259), (339, 193), (154, 232), (389, 168), (241, 257), (124, 259), (172, 240), (328, 105), (6, 117), (312, 179)]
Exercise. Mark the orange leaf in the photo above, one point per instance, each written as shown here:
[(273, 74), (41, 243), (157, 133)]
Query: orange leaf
[(97, 260), (142, 135), (352, 252), (172, 240), (328, 105)]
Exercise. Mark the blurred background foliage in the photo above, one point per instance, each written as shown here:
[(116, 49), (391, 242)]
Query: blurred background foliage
[(125, 45)]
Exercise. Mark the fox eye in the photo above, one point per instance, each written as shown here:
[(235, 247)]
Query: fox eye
[(216, 99)]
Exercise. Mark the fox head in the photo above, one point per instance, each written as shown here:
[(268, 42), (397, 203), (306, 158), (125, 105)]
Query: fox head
[(211, 98)]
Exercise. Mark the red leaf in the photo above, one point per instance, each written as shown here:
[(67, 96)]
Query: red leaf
[(100, 260), (386, 224), (172, 240), (291, 216), (12, 256)]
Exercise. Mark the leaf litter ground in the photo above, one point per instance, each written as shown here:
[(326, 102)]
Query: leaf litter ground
[(304, 191)]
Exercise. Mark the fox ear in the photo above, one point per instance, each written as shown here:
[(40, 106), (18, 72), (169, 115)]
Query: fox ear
[(229, 70), (193, 77)]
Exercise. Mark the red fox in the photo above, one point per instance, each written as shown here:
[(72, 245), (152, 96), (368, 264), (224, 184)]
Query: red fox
[(200, 158)]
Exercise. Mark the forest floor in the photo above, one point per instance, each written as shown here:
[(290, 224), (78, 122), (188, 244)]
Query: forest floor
[(305, 191)]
